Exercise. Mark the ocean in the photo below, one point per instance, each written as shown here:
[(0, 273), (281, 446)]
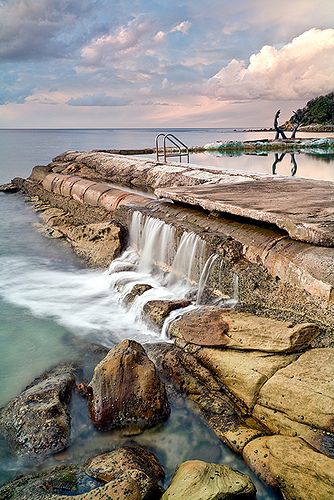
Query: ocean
[(50, 303)]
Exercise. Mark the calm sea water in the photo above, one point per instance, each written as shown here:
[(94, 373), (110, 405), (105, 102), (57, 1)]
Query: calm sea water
[(50, 304)]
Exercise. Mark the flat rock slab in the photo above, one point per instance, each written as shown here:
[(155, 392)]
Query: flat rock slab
[(302, 207), (290, 464)]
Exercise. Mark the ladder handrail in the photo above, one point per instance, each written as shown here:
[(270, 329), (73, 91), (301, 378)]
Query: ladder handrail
[(175, 141)]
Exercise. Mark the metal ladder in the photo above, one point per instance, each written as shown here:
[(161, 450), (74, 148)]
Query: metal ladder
[(182, 149)]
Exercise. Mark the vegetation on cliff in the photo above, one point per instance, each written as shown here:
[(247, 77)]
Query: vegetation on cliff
[(319, 110)]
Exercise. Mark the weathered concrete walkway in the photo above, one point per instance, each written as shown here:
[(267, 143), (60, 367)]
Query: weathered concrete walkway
[(302, 207)]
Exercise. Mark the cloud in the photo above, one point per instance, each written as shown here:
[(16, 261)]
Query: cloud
[(97, 100), (300, 69), (31, 29), (182, 27), (127, 39)]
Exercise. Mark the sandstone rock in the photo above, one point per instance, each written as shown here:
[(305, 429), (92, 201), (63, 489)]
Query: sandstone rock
[(200, 386), (136, 290), (37, 421), (9, 188), (204, 326), (126, 391), (123, 488), (139, 463), (157, 311), (240, 330), (197, 480), (302, 393), (290, 464), (98, 242), (243, 372), (302, 207), (42, 485)]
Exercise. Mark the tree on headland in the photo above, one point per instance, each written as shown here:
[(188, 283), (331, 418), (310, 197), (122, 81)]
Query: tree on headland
[(319, 110)]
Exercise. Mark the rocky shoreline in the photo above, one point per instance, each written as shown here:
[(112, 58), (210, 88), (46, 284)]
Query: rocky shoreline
[(261, 375)]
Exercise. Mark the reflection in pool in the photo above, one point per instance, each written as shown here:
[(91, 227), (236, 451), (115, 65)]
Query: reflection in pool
[(315, 165)]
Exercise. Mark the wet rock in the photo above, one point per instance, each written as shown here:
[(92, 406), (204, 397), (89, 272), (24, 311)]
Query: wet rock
[(125, 487), (43, 485), (290, 464), (98, 242), (140, 464), (200, 386), (212, 326), (37, 421), (157, 311), (9, 188), (204, 326), (299, 399), (136, 290), (126, 391), (197, 480), (243, 372)]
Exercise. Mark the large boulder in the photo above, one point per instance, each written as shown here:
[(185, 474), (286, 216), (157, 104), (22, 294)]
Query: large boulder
[(291, 465), (197, 480), (38, 420), (126, 391), (213, 326)]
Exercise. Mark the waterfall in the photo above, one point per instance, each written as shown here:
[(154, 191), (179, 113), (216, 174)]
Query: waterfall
[(189, 259), (204, 277), (156, 258), (153, 239)]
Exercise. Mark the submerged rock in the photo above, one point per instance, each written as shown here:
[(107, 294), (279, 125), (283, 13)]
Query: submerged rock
[(157, 311), (126, 391), (197, 480), (37, 421), (290, 464)]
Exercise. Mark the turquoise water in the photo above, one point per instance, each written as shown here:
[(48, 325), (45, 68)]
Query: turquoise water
[(51, 306)]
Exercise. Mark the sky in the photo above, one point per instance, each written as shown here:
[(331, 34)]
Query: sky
[(161, 63)]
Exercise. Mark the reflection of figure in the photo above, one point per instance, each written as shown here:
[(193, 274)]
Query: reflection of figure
[(278, 158), (279, 130), (294, 164)]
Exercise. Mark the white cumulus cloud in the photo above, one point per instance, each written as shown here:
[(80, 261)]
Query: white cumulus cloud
[(182, 27), (300, 69)]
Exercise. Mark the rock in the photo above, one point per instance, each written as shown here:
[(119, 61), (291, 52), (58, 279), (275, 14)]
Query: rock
[(302, 207), (37, 422), (9, 188), (197, 480), (243, 372), (240, 330), (204, 326), (299, 399), (126, 391), (200, 386), (42, 485), (98, 242), (290, 464), (139, 463), (123, 488), (131, 473), (136, 290), (157, 311)]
